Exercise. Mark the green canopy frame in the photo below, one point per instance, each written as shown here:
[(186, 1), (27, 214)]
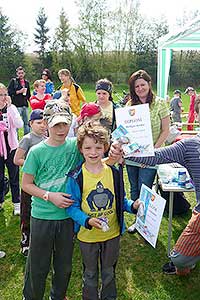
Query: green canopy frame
[(187, 38)]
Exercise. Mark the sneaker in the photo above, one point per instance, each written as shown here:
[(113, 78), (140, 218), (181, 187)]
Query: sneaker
[(2, 254), (193, 267), (16, 209), (169, 268), (25, 251), (132, 228)]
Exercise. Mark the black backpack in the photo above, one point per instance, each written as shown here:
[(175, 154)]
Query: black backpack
[(75, 85)]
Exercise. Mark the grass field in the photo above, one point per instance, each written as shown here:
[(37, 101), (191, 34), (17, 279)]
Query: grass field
[(139, 275)]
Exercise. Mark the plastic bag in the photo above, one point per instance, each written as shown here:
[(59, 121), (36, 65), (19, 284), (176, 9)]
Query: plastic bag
[(173, 134)]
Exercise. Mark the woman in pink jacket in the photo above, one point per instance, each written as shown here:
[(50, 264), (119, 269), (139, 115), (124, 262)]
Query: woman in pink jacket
[(10, 120)]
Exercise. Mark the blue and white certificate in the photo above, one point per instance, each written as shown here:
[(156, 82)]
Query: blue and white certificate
[(134, 130)]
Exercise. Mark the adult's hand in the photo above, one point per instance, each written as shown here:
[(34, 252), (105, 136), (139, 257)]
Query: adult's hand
[(116, 151), (20, 91)]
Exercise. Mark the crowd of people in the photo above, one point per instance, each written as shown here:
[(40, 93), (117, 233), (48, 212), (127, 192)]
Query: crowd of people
[(176, 107), (70, 184)]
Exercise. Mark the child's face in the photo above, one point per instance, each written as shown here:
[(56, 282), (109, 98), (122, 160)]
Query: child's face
[(41, 88), (38, 127), (191, 92), (63, 78), (58, 133), (102, 96), (3, 97), (92, 151), (66, 95), (45, 77)]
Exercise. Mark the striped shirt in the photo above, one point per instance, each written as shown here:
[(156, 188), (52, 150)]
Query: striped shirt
[(186, 152)]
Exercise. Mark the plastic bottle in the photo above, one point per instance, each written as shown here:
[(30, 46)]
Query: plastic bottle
[(181, 177)]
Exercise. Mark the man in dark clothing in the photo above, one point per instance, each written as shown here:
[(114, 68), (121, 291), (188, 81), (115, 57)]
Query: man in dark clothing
[(19, 91)]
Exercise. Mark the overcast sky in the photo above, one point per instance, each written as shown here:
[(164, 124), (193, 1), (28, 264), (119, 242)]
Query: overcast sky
[(23, 13)]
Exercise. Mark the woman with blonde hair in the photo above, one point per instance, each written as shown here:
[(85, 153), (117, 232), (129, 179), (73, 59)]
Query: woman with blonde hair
[(76, 93)]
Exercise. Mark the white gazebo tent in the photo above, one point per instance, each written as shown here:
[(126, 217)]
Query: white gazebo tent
[(188, 38)]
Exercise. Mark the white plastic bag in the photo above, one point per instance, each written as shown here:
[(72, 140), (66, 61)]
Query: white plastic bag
[(173, 134)]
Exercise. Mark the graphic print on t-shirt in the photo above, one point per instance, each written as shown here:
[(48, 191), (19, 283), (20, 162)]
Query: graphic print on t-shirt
[(100, 198)]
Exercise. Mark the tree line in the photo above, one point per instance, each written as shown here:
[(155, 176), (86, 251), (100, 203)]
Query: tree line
[(105, 43)]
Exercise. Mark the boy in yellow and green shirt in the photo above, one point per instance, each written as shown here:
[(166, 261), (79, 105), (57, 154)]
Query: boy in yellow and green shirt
[(99, 203)]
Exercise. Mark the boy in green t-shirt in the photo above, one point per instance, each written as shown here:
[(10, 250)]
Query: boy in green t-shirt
[(51, 229), (99, 203)]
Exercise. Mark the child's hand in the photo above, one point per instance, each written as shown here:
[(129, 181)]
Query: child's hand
[(61, 200), (8, 101), (136, 204), (95, 222)]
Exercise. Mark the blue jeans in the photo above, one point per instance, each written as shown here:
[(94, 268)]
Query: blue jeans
[(23, 111), (137, 176), (182, 261)]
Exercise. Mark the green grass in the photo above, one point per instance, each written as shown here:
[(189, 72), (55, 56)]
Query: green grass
[(139, 275), (89, 91)]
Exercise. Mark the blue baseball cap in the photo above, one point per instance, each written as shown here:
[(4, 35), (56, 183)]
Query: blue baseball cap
[(57, 95), (36, 114)]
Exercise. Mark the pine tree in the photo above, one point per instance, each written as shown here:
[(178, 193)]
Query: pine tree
[(41, 37), (11, 54)]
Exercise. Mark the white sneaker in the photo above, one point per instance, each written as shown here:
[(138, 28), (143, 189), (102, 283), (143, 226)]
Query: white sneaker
[(25, 251), (16, 209), (132, 229), (2, 254)]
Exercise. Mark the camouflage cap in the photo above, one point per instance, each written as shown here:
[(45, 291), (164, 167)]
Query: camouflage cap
[(56, 111)]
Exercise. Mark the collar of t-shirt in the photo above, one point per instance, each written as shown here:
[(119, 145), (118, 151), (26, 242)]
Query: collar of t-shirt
[(22, 82)]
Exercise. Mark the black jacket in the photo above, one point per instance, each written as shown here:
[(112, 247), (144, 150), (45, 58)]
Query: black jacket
[(18, 100)]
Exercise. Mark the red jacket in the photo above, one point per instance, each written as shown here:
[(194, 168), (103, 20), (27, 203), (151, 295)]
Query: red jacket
[(36, 103)]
